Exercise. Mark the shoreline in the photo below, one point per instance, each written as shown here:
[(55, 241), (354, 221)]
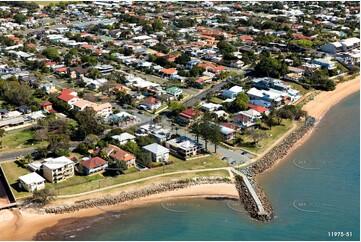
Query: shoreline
[(25, 224), (318, 108)]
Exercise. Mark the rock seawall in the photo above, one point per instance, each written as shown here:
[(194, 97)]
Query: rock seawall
[(147, 191)]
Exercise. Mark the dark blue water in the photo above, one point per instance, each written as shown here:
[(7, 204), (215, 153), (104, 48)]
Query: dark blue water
[(313, 192)]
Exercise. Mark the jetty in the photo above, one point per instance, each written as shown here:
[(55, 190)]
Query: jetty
[(261, 210)]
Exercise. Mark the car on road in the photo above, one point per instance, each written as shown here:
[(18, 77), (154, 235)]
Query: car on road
[(233, 162), (244, 153), (225, 158), (140, 112)]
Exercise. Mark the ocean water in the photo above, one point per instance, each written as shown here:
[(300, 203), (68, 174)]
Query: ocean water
[(313, 192)]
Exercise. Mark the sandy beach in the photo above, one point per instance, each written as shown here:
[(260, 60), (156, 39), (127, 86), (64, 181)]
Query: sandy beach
[(319, 106), (325, 100), (25, 224)]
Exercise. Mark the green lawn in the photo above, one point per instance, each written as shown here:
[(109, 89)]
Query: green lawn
[(77, 184), (272, 135), (13, 140), (12, 172), (216, 100)]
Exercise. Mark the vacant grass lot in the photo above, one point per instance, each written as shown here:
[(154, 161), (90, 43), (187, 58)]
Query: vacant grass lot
[(19, 139), (272, 135)]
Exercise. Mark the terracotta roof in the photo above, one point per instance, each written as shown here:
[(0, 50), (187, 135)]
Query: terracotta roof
[(66, 97), (241, 117), (93, 163), (246, 38), (301, 36), (62, 69), (189, 113), (150, 100), (66, 91), (117, 153), (168, 71), (259, 109), (45, 103)]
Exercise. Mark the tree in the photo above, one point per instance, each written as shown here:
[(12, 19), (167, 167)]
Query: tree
[(43, 197), (20, 18), (94, 73), (177, 107), (116, 168), (145, 159), (241, 102), (216, 136), (271, 67), (82, 149), (131, 147), (157, 25), (196, 130), (88, 123), (40, 134), (183, 59), (58, 142), (255, 135), (18, 94), (145, 140), (51, 53), (91, 139), (2, 132), (225, 48), (124, 98)]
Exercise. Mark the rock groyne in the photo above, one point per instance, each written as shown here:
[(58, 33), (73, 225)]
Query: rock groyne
[(266, 162)]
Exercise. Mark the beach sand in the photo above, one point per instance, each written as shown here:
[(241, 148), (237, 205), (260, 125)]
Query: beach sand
[(325, 100), (319, 106), (25, 224)]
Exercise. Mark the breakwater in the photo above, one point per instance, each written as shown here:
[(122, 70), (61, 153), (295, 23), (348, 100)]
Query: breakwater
[(147, 191), (266, 162)]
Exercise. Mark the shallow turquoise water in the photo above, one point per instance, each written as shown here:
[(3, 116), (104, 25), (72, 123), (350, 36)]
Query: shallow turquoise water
[(313, 192)]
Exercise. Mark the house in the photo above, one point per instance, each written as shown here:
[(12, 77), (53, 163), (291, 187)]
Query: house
[(159, 153), (183, 147), (46, 106), (151, 103), (258, 108), (167, 72), (32, 182), (340, 46), (246, 118), (77, 72), (124, 138), (187, 116), (93, 165), (58, 169), (69, 96), (232, 92), (120, 88), (48, 88), (227, 132), (117, 153), (174, 91), (210, 107), (24, 109)]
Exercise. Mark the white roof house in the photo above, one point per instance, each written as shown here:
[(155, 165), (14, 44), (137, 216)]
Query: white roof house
[(123, 138), (32, 182), (211, 106), (159, 153)]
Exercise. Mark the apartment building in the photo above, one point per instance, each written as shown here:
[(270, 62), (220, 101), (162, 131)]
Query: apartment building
[(58, 169)]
